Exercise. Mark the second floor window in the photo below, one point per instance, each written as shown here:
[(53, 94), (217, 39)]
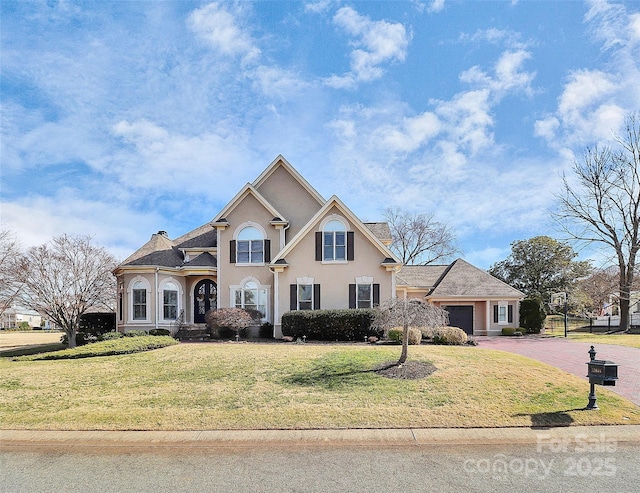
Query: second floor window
[(334, 241), (250, 246)]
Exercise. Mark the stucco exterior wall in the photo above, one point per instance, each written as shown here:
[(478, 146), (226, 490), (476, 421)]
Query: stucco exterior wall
[(290, 198), (333, 277)]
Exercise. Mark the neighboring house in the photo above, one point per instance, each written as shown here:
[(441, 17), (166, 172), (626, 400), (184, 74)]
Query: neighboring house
[(278, 245), (14, 316), (476, 301)]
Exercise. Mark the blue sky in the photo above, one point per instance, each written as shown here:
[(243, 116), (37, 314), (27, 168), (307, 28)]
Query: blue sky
[(123, 118)]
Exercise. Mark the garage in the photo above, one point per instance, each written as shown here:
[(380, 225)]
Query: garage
[(461, 316)]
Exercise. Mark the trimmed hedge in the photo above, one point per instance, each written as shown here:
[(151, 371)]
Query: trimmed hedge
[(415, 335), (450, 336), (159, 332), (330, 325)]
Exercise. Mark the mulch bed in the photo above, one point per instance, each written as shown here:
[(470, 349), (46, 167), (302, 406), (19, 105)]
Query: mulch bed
[(411, 370)]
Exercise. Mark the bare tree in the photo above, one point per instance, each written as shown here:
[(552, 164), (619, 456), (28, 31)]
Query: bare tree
[(597, 288), (604, 205), (419, 239), (405, 313), (66, 278), (10, 285)]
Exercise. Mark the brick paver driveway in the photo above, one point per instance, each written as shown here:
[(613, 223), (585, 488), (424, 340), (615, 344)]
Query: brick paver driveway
[(572, 356)]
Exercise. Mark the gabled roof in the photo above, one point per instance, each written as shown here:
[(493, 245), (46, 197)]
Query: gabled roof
[(334, 201), (280, 161), (458, 279), (247, 190)]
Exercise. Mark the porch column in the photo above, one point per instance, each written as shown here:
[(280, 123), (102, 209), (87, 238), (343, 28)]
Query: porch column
[(487, 315)]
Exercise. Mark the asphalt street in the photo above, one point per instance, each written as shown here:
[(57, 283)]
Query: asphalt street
[(596, 464)]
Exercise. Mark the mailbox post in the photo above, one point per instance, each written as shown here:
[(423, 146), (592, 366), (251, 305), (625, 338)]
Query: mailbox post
[(600, 372)]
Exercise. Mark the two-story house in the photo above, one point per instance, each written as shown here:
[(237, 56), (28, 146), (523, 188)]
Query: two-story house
[(278, 245)]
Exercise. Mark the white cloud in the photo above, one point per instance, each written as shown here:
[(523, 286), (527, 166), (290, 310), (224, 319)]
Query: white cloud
[(375, 43), (157, 159), (276, 82), (112, 224), (220, 24), (508, 74), (436, 6), (594, 101), (319, 6), (634, 28)]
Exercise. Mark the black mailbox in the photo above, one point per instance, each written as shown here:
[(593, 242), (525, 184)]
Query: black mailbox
[(602, 372)]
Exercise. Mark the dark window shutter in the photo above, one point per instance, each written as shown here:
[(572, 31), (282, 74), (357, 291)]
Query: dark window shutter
[(316, 296), (510, 314), (232, 251), (352, 295), (376, 294), (267, 251), (350, 248), (293, 296), (318, 246), (495, 314)]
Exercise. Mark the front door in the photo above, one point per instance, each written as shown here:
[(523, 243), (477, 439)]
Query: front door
[(205, 299), (461, 316)]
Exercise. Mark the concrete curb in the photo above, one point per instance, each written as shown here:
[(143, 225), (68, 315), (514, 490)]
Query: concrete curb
[(315, 438)]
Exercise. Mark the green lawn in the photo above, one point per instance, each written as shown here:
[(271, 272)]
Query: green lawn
[(289, 386)]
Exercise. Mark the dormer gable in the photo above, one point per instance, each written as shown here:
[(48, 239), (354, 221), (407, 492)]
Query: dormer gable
[(246, 191)]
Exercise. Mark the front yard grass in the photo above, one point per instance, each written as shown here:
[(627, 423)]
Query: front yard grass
[(288, 386), (630, 340)]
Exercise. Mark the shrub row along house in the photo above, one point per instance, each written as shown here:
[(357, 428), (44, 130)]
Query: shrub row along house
[(278, 245)]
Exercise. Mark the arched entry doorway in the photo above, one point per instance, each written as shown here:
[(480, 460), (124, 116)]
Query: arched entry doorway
[(205, 298)]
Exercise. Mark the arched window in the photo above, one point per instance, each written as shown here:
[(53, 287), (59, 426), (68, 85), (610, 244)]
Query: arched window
[(139, 300), (170, 301), (250, 246), (252, 297), (334, 241)]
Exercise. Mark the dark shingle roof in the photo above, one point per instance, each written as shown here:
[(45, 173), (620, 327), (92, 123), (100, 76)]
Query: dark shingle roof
[(203, 260), (207, 239), (163, 258)]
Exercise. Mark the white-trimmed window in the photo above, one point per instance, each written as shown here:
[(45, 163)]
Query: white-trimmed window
[(502, 313), (250, 246), (305, 296), (252, 297), (334, 241), (170, 301), (139, 295), (364, 293)]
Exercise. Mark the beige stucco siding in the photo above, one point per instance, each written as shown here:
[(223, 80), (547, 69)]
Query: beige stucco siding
[(289, 198), (334, 277), (248, 212)]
